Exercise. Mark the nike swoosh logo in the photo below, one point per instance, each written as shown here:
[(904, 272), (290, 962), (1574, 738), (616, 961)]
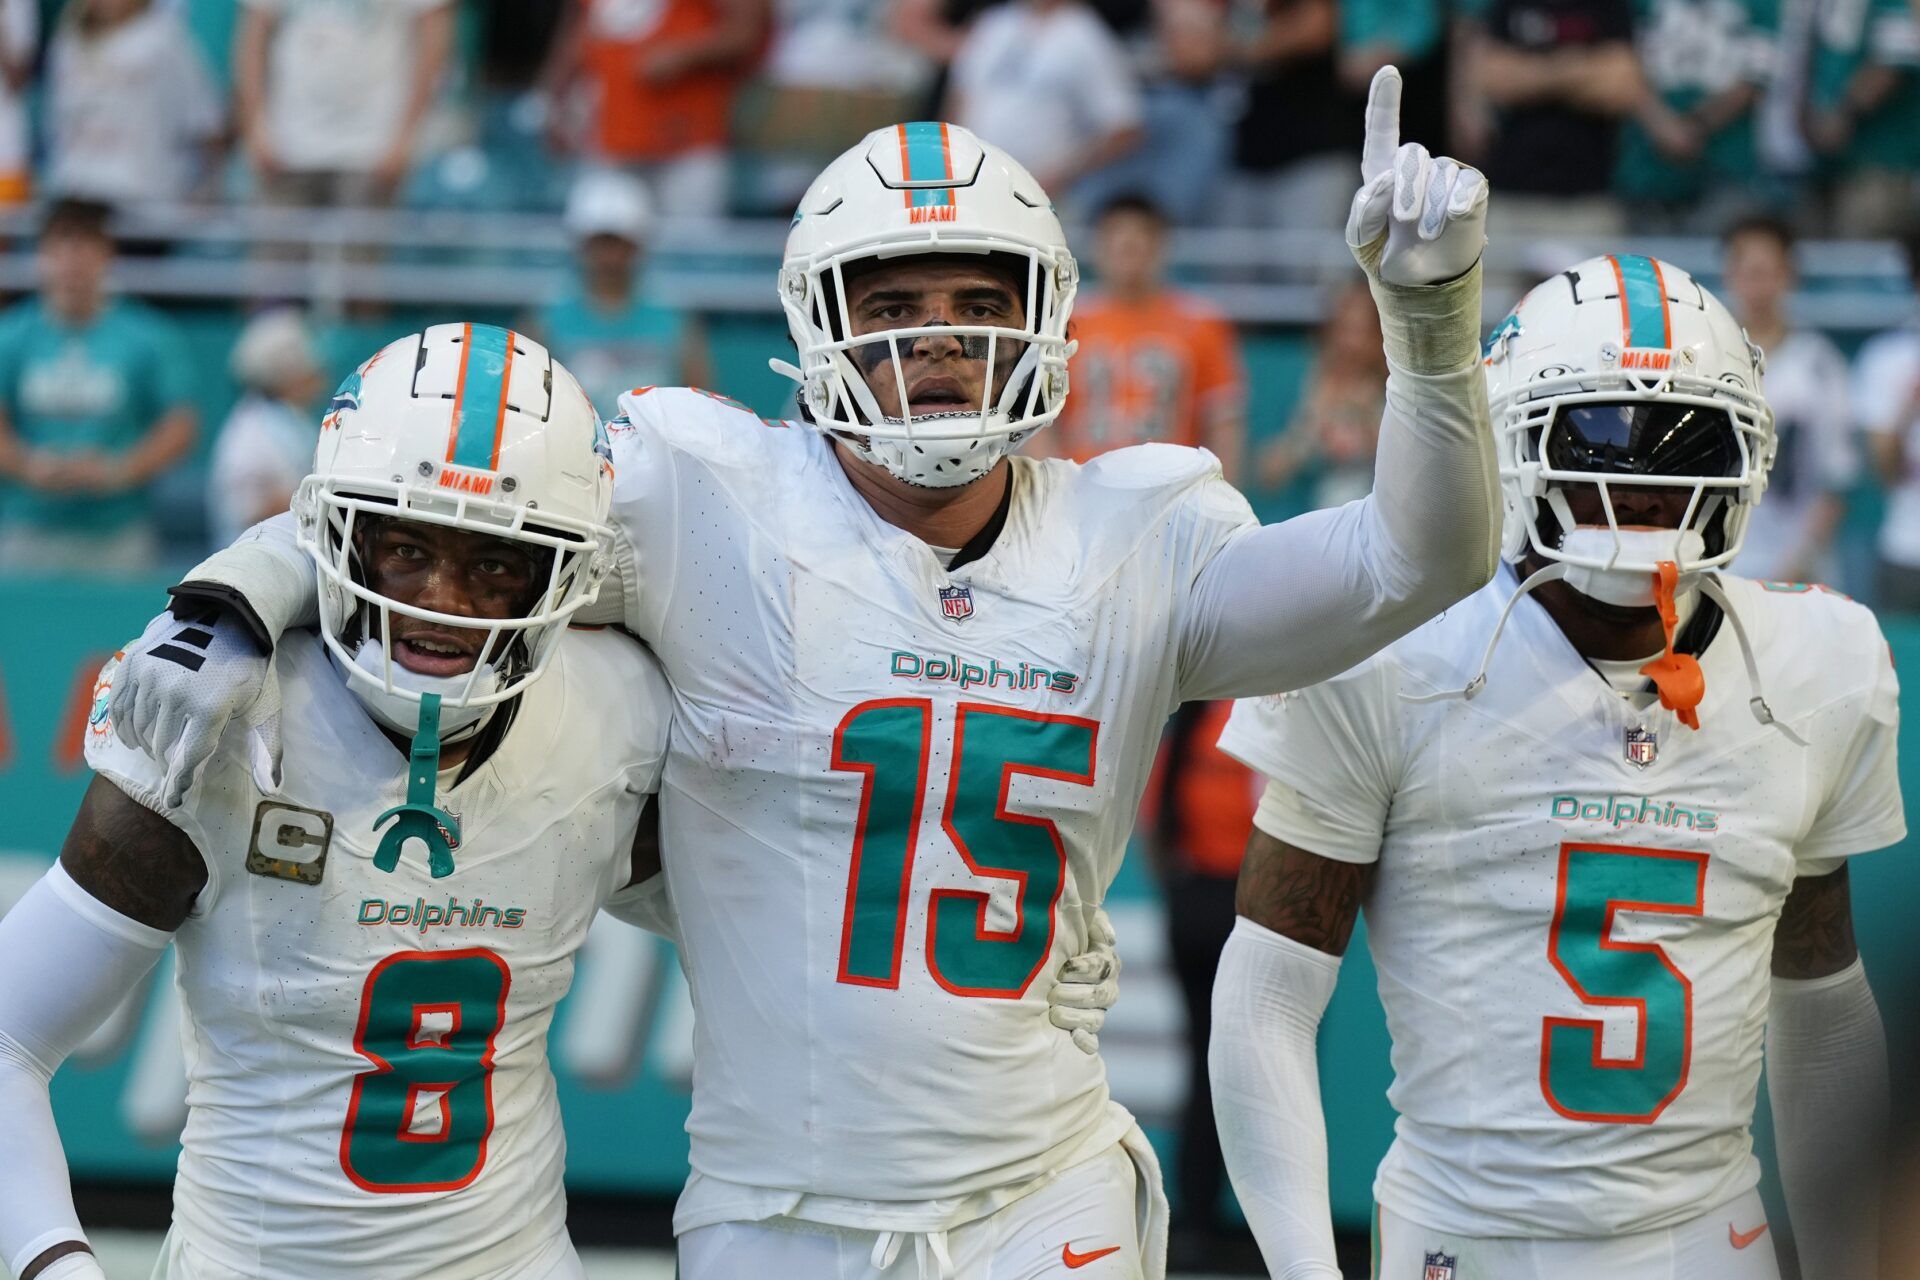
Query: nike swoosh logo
[(1075, 1261), (1741, 1239)]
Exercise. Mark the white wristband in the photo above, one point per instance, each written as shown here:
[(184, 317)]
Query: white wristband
[(1432, 328), (74, 1266)]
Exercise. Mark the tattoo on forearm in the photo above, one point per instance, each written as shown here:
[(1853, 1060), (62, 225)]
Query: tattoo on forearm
[(1815, 935), (132, 859), (1311, 899)]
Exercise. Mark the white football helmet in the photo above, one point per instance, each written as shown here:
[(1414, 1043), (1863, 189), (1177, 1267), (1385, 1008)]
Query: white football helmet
[(475, 428), (917, 189), (1622, 371)]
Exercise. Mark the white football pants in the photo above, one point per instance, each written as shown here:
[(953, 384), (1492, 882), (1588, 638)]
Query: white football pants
[(1091, 1223), (1731, 1242), (555, 1260)]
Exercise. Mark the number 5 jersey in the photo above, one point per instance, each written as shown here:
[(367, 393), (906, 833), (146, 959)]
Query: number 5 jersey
[(893, 796), (368, 1087), (1573, 914)]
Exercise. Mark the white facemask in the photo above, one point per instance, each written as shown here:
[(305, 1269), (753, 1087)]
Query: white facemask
[(936, 464), (402, 714), (1629, 583)]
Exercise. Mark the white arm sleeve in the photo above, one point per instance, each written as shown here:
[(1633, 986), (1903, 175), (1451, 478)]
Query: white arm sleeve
[(1286, 605), (266, 567), (1827, 1081), (69, 960), (1268, 997)]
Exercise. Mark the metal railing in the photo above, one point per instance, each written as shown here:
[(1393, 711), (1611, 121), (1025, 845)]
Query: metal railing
[(331, 258)]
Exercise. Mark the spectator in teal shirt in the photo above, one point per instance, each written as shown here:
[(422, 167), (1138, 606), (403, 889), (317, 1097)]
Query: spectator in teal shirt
[(1408, 34), (603, 327), (95, 401), (1687, 159), (1863, 113)]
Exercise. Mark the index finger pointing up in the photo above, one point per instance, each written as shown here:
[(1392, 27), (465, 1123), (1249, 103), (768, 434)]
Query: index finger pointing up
[(1383, 123)]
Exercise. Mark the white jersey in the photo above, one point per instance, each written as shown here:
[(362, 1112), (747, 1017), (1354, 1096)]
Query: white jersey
[(893, 797), (1573, 914), (368, 1090)]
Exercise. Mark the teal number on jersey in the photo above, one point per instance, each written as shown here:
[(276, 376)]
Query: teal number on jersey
[(991, 746), (878, 739), (1597, 881), (420, 1120)]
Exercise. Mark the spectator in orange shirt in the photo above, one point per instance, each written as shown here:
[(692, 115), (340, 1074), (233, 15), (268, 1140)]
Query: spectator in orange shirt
[(1197, 814), (649, 86), (1153, 363)]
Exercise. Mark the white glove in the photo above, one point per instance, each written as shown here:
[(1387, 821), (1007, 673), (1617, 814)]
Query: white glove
[(1418, 221), (1086, 986), (176, 689), (1432, 212)]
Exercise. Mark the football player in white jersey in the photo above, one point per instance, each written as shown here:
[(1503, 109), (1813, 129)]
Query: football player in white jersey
[(1599, 817), (370, 951), (917, 685)]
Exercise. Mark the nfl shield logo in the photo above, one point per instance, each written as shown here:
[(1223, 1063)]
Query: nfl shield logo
[(957, 602), (1643, 745), (1439, 1267)]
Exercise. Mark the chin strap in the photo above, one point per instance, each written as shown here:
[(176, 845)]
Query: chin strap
[(1549, 573), (1671, 680), (1710, 587), (1677, 676), (418, 818)]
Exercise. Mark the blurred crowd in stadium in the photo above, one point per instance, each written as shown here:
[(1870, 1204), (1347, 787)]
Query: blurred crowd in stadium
[(1591, 118)]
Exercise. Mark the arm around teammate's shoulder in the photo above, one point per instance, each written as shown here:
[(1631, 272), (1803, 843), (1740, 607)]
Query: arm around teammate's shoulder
[(72, 948)]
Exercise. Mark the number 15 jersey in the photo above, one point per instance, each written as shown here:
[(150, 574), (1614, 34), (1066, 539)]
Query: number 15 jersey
[(893, 796), (1572, 918)]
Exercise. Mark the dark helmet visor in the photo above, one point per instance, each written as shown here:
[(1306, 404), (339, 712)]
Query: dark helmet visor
[(1643, 438)]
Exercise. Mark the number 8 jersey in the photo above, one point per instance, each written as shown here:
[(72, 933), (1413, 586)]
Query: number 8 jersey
[(1572, 918), (893, 796), (368, 1090)]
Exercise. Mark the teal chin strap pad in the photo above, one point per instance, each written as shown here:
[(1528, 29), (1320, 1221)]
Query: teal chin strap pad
[(418, 819)]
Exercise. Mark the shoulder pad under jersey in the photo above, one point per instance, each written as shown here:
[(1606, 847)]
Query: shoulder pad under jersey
[(702, 423)]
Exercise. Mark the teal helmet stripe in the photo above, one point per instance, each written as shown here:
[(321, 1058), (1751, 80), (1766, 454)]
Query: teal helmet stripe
[(480, 401), (1643, 300), (923, 144)]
